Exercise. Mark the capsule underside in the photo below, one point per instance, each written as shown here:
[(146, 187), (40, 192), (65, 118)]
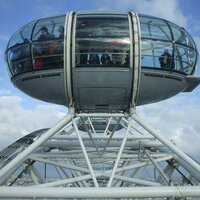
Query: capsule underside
[(102, 62)]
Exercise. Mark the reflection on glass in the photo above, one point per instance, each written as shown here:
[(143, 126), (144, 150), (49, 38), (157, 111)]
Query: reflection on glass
[(99, 37), (43, 50), (166, 61), (101, 40), (53, 26), (48, 54), (22, 36), (48, 43), (153, 54), (19, 59), (154, 28), (184, 59), (166, 46)]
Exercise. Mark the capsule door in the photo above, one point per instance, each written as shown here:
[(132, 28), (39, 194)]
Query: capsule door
[(101, 72)]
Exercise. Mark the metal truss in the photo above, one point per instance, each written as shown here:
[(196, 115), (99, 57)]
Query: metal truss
[(93, 156)]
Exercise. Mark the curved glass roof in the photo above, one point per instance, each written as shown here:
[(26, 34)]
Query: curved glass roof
[(39, 45)]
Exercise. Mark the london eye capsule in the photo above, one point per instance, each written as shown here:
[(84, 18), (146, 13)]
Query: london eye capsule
[(102, 62)]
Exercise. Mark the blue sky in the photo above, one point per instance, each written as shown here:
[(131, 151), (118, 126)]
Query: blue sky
[(177, 118)]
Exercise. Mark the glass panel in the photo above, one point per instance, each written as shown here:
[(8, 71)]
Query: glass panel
[(22, 36), (19, 59), (154, 28), (184, 59), (47, 29), (102, 40), (47, 54), (190, 41), (48, 43), (179, 55), (8, 64), (179, 34), (156, 54)]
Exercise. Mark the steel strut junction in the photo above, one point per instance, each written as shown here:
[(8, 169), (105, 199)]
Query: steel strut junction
[(101, 65)]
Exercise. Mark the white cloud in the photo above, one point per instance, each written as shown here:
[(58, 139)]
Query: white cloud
[(176, 119), (169, 10), (16, 121)]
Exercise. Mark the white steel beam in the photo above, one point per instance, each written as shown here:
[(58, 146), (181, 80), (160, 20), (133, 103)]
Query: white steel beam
[(124, 192), (101, 144), (103, 137), (134, 180), (85, 154), (118, 156), (158, 168), (63, 165), (102, 115), (111, 135), (107, 126)]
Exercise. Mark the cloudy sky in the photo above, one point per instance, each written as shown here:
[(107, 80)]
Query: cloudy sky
[(177, 118)]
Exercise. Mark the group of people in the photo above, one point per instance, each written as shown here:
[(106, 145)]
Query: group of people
[(105, 59), (48, 48), (51, 48), (45, 35)]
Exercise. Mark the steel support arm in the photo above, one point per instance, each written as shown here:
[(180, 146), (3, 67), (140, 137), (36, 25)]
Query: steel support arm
[(125, 192)]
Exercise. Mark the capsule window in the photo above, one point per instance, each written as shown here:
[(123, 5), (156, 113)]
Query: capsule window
[(102, 41), (157, 54), (184, 59), (48, 43), (154, 28), (19, 59), (22, 36)]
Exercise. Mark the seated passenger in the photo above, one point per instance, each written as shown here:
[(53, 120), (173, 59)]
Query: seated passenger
[(83, 58), (116, 58), (105, 58), (58, 59), (61, 32), (166, 60), (94, 59), (38, 63)]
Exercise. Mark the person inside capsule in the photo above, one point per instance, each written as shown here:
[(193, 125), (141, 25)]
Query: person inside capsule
[(61, 32), (166, 60), (116, 58), (105, 58), (45, 35), (45, 49)]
